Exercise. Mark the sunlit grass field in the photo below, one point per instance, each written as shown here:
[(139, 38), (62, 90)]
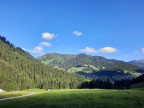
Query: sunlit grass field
[(11, 94), (35, 90), (80, 98)]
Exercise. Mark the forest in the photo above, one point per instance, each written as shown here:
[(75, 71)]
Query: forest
[(19, 70)]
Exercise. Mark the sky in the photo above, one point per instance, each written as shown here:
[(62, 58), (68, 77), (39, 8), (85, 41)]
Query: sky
[(110, 28)]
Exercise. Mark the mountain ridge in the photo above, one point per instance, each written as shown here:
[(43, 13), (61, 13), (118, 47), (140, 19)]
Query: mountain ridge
[(90, 65), (138, 62)]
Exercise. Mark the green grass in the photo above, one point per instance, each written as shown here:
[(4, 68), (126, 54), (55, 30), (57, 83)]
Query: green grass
[(76, 69), (11, 94), (84, 98), (81, 69), (138, 85), (48, 61), (35, 90), (97, 69), (133, 73)]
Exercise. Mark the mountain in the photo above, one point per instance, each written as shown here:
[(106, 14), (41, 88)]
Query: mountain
[(138, 62), (92, 66), (20, 70)]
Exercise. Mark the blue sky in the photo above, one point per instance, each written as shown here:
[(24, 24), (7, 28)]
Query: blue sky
[(110, 28)]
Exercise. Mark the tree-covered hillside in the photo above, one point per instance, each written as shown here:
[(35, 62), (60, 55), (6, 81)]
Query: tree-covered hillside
[(133, 83), (20, 70), (92, 66)]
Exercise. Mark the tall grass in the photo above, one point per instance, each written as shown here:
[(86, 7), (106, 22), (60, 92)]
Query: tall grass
[(84, 98)]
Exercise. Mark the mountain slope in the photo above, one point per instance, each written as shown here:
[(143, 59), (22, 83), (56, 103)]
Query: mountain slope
[(91, 66), (138, 62), (19, 70)]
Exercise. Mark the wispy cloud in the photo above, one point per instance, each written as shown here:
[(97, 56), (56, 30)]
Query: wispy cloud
[(37, 49), (48, 36), (142, 50), (45, 44), (40, 47), (136, 52), (77, 33), (88, 49), (42, 54), (102, 50), (125, 56)]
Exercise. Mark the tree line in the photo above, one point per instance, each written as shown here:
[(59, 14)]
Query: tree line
[(108, 84), (96, 83)]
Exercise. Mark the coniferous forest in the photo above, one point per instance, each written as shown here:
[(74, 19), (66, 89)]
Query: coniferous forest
[(19, 70)]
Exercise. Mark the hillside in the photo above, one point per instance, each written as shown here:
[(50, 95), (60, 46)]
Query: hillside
[(20, 70), (92, 66), (138, 62)]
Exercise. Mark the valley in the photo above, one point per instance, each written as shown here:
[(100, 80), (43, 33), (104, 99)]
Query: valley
[(71, 54)]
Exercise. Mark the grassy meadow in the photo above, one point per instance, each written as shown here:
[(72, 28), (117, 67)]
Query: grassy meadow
[(80, 98), (11, 94), (35, 90)]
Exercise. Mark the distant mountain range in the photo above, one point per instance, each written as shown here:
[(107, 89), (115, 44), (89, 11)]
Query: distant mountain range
[(138, 62), (92, 66)]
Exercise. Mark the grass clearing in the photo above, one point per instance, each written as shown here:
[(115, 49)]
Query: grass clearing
[(11, 94), (80, 98), (76, 69)]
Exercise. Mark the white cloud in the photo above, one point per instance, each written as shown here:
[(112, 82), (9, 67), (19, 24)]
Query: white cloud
[(88, 49), (37, 49), (102, 50), (142, 50), (45, 44), (24, 49), (40, 48), (48, 36), (135, 52), (77, 33), (125, 56), (107, 50), (42, 54)]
